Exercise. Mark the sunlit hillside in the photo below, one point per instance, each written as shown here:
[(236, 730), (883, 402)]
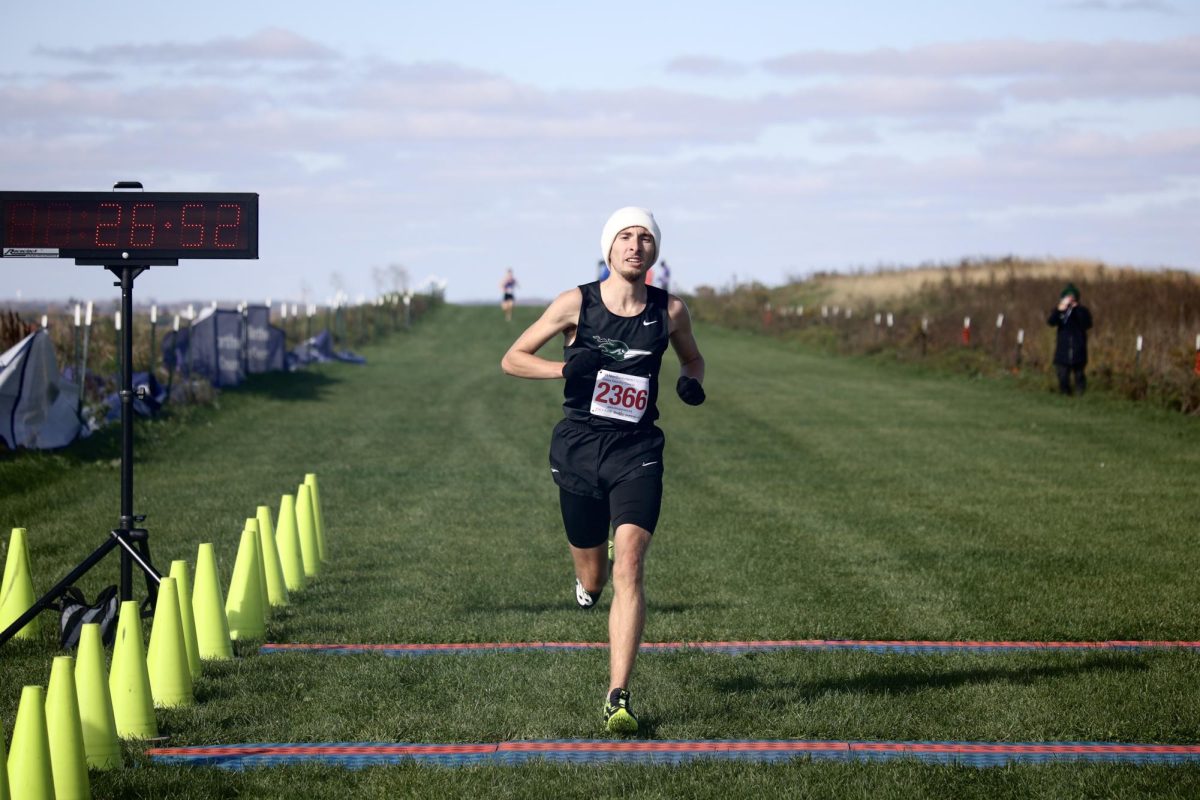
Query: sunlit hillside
[(990, 317)]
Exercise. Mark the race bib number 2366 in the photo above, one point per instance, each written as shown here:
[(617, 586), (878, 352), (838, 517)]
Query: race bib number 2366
[(620, 396)]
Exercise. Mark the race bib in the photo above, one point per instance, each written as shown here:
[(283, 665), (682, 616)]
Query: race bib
[(620, 396)]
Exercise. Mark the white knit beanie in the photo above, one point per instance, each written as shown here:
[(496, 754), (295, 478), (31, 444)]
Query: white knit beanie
[(629, 217)]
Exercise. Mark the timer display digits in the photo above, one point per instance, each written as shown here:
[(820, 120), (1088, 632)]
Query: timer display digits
[(128, 226)]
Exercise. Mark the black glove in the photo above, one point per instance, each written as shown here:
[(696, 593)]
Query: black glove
[(690, 391), (581, 363)]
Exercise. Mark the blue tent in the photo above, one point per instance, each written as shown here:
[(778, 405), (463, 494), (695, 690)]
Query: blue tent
[(265, 348), (320, 348), (148, 400), (37, 405), (175, 349), (211, 348)]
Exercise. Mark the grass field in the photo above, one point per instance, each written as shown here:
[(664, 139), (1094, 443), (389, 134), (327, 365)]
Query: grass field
[(810, 497)]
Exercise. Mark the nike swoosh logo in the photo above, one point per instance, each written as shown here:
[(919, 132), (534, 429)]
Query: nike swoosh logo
[(649, 322), (649, 463), (552, 469)]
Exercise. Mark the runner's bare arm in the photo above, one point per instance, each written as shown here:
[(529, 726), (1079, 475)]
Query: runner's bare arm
[(561, 316), (691, 363)]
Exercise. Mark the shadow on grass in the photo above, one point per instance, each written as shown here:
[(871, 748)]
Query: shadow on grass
[(300, 385), (25, 471), (892, 683), (525, 608), (568, 603), (682, 608), (22, 470)]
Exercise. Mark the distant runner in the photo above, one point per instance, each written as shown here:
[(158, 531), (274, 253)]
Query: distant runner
[(606, 455), (664, 277), (509, 286)]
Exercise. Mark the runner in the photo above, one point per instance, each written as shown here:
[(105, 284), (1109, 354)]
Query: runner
[(606, 455), (509, 285), (664, 277)]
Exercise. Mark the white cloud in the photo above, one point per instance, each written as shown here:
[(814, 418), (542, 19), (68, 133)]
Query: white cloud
[(52, 107), (848, 135), (1135, 6), (879, 155), (706, 67), (884, 97), (1004, 59), (269, 44)]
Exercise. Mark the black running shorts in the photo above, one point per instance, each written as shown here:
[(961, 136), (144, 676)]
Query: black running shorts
[(606, 478)]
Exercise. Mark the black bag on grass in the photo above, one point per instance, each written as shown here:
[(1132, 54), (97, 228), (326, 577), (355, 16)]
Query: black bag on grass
[(75, 612)]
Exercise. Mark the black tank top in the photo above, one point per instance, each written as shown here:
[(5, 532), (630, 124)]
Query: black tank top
[(632, 347)]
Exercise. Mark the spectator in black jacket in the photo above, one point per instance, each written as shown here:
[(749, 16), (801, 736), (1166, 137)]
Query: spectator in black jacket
[(1070, 353)]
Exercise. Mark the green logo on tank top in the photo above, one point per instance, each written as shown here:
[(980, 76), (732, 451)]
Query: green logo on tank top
[(618, 350)]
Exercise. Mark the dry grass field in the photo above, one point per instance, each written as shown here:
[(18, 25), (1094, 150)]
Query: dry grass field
[(885, 285), (920, 314)]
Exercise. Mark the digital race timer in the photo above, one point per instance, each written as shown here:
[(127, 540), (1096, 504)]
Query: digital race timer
[(128, 226)]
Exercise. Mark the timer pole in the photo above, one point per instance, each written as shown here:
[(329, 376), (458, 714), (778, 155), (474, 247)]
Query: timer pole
[(133, 541), (127, 274)]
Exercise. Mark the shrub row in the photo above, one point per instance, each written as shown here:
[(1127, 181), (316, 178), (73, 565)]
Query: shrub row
[(1006, 301)]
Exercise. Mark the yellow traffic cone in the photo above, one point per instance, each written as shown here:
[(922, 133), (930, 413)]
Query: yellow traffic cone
[(19, 537), (16, 588), (4, 580), (29, 774), (318, 514), (208, 607), (306, 524), (4, 793), (183, 587), (277, 593), (288, 540), (170, 675), (64, 731), (244, 606), (100, 743), (252, 525), (129, 679)]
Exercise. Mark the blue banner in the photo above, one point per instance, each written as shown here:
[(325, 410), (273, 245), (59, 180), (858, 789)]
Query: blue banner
[(216, 347), (264, 342)]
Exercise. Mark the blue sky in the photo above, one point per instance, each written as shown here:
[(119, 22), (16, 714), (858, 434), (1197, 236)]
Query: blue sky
[(456, 139)]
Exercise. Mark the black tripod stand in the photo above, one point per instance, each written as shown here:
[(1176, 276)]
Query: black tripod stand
[(133, 541)]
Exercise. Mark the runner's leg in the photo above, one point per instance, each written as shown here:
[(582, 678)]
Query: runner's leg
[(591, 567), (627, 617), (586, 522)]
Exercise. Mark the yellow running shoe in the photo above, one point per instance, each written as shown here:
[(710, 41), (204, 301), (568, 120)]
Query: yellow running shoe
[(618, 718)]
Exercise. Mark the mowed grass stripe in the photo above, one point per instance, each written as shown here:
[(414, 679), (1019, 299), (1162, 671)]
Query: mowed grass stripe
[(809, 498), (734, 648), (997, 513)]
